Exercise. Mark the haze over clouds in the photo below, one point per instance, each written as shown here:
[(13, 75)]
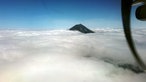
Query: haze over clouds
[(68, 56)]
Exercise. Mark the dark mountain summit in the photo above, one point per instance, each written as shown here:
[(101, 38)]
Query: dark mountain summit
[(81, 28)]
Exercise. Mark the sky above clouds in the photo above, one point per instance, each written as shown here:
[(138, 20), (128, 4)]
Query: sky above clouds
[(58, 14)]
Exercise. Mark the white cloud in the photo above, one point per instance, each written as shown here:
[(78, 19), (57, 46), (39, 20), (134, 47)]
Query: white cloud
[(66, 56)]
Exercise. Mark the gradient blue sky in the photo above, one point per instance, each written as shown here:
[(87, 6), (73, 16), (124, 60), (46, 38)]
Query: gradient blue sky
[(62, 14)]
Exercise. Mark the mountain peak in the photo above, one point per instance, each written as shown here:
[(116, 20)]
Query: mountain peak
[(81, 28)]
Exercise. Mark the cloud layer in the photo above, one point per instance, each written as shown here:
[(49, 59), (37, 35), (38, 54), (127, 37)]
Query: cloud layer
[(68, 56)]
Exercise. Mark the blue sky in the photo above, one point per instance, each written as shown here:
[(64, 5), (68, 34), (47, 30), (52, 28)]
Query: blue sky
[(62, 14)]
